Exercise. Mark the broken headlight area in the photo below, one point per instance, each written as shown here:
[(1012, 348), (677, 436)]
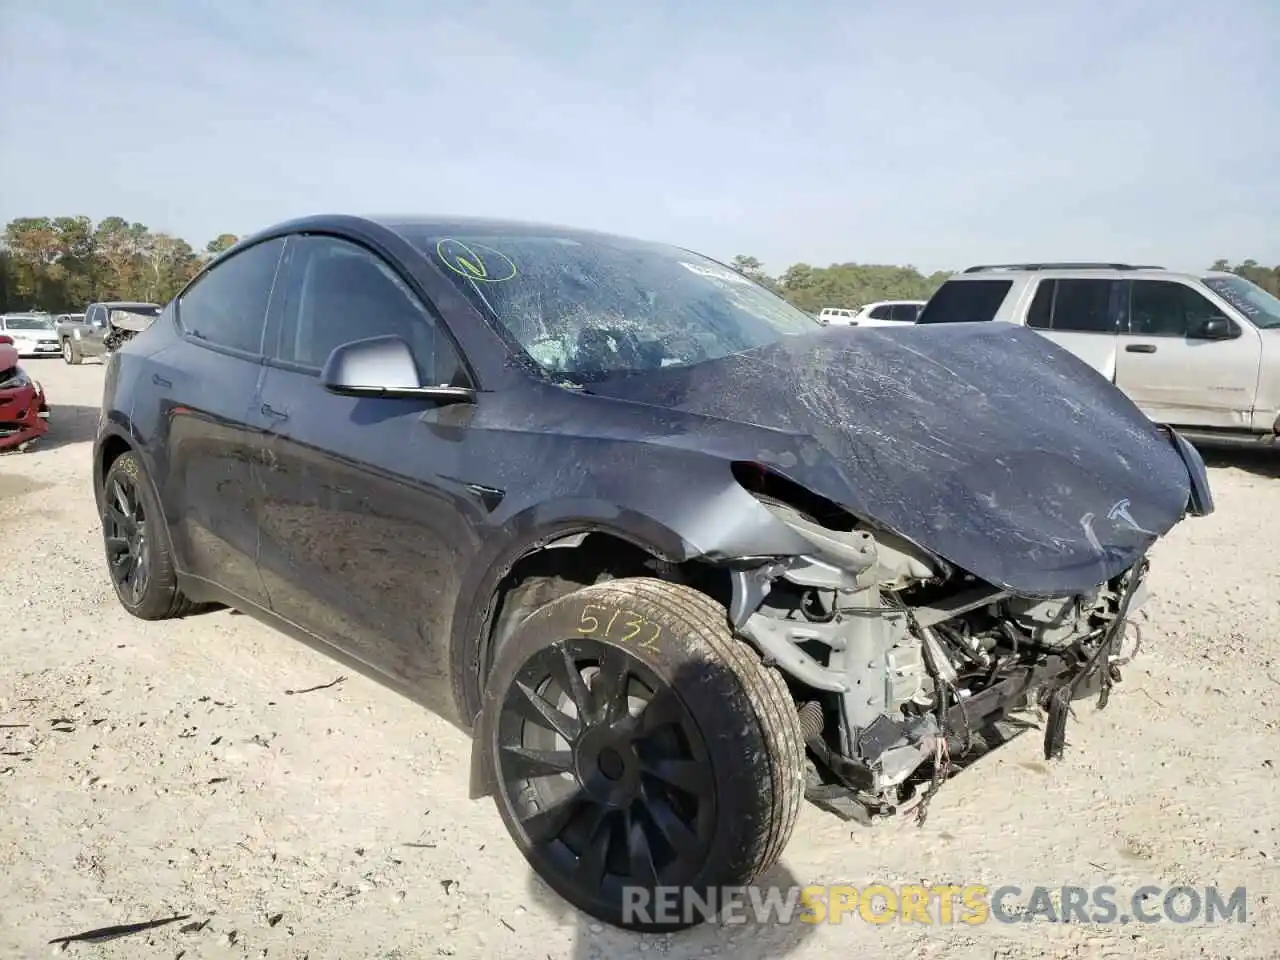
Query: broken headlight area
[(901, 665), (23, 410), (14, 379)]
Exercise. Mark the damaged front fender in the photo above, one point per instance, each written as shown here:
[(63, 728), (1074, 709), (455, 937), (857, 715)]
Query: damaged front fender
[(724, 525)]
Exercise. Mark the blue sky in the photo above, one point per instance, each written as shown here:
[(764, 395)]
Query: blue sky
[(937, 134)]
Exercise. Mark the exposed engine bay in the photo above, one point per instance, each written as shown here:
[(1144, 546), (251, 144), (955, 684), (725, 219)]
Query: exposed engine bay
[(899, 661)]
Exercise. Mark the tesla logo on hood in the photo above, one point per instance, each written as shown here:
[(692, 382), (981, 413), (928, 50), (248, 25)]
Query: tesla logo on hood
[(1120, 512), (1119, 516)]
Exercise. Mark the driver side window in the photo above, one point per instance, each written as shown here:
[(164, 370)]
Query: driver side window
[(1162, 308), (337, 292)]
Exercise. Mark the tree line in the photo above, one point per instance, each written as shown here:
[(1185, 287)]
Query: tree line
[(61, 264)]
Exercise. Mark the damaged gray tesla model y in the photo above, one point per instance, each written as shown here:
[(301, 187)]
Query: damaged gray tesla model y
[(674, 553)]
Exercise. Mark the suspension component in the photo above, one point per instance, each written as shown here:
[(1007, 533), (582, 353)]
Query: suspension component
[(811, 720)]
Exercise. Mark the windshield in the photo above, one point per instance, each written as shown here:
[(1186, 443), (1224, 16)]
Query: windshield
[(29, 323), (585, 306), (1262, 309)]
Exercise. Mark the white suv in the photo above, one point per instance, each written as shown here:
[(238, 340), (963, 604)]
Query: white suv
[(879, 314), (1197, 351)]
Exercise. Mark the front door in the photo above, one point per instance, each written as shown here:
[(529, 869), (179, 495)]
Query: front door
[(1175, 375), (364, 535), (91, 344)]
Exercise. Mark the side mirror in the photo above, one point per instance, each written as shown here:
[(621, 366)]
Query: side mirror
[(383, 367), (1213, 328)]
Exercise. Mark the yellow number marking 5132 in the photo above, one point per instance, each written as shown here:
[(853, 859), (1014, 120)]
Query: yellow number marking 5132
[(600, 621)]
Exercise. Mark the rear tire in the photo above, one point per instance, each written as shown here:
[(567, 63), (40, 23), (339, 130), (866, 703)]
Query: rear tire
[(138, 548), (71, 351), (678, 764)]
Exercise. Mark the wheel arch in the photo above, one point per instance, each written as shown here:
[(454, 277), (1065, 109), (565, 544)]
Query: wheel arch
[(551, 546), (115, 439), (111, 447), (547, 562)]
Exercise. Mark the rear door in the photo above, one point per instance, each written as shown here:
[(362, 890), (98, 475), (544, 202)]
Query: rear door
[(364, 532), (204, 389), (1173, 372), (1082, 315)]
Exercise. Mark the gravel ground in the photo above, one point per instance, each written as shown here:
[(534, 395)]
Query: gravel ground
[(153, 770)]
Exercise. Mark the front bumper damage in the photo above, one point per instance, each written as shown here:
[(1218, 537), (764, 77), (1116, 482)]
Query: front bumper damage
[(24, 415), (893, 683), (861, 666)]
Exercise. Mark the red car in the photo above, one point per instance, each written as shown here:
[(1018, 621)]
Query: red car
[(24, 415)]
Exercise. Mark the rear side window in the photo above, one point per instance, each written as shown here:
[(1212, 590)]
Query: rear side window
[(1073, 306), (965, 301), (228, 305), (904, 312)]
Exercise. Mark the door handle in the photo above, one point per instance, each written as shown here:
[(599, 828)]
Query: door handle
[(269, 411), (160, 381), (1140, 348)]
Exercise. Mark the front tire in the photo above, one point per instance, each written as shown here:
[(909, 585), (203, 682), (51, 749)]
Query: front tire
[(71, 351), (136, 540), (636, 745)]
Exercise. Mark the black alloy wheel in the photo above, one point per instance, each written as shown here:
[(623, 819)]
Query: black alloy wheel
[(636, 749), (125, 528), (606, 770), (138, 549)]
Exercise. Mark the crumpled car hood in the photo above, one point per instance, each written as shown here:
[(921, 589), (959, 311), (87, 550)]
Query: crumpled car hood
[(128, 320), (986, 444)]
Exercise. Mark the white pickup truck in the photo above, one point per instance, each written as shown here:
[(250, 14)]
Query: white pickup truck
[(1197, 351)]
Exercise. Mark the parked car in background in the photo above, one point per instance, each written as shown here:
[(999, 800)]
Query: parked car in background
[(33, 334), (1198, 351), (88, 335), (888, 313), (674, 569), (880, 313), (836, 316)]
